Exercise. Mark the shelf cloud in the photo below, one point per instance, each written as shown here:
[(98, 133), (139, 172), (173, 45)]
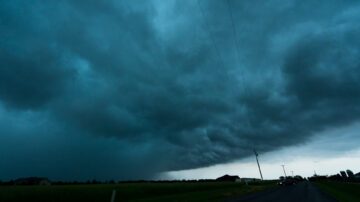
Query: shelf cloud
[(126, 90)]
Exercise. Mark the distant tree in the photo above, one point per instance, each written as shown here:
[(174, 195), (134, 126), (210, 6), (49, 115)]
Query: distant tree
[(11, 182), (95, 181), (318, 178), (336, 177), (298, 178)]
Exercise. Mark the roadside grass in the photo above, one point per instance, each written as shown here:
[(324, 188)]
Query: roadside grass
[(343, 192), (179, 191)]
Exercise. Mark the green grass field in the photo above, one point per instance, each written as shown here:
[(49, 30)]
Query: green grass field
[(343, 192), (200, 191)]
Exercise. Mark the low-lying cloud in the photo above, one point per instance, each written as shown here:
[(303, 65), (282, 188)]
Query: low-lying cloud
[(129, 89)]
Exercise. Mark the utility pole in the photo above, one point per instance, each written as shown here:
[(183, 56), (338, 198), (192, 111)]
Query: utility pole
[(292, 173), (284, 170), (256, 156)]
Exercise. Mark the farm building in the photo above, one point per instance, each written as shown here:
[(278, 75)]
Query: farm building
[(228, 178)]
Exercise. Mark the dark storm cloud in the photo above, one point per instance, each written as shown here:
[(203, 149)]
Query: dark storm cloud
[(110, 87)]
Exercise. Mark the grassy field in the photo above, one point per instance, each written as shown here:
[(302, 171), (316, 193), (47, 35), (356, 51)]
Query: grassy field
[(343, 192), (200, 191)]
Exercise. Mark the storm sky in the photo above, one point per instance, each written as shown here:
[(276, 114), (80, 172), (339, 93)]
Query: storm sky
[(132, 89)]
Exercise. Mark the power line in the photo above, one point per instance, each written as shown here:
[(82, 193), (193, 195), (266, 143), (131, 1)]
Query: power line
[(234, 32), (238, 59), (236, 42), (217, 52)]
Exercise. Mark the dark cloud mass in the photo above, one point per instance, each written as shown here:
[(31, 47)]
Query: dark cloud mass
[(129, 89)]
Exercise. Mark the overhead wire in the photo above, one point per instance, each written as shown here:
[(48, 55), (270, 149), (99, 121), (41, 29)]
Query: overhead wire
[(246, 91), (234, 32), (217, 52), (238, 59)]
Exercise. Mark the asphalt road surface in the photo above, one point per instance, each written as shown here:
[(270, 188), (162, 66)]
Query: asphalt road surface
[(303, 191)]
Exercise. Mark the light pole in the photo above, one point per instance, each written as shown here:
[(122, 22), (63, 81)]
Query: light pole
[(256, 156), (284, 170), (315, 162)]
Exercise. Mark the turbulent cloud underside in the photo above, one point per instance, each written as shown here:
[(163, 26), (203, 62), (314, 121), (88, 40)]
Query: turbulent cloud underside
[(109, 87)]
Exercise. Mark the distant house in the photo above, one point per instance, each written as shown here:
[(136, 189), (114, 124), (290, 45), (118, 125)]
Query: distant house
[(228, 178), (32, 181)]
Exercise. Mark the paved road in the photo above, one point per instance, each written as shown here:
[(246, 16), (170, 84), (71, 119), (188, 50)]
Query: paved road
[(304, 191)]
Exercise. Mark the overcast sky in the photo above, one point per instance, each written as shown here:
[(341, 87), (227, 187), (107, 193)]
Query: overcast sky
[(147, 89)]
